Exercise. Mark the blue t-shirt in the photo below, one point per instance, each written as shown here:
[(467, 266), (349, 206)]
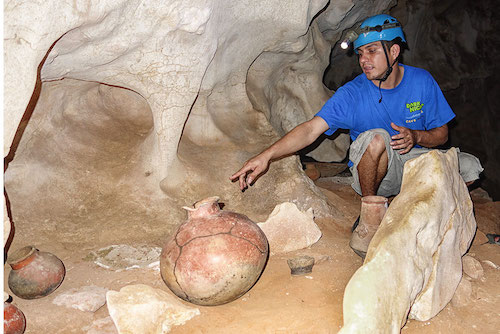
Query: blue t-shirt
[(416, 103)]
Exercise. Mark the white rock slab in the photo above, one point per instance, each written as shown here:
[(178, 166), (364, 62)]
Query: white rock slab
[(413, 265), (126, 257), (87, 298), (142, 309), (288, 229)]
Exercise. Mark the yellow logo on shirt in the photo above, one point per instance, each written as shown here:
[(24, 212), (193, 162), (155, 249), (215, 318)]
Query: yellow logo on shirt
[(414, 106)]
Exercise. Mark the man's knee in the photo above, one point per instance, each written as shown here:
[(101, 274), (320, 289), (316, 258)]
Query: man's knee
[(469, 167), (377, 145)]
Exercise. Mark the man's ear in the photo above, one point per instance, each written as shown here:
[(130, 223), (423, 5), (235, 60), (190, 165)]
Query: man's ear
[(395, 50)]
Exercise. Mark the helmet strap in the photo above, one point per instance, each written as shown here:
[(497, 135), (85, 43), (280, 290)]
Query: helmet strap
[(387, 72)]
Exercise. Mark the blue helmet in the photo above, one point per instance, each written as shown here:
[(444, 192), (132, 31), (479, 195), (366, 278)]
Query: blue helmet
[(381, 27)]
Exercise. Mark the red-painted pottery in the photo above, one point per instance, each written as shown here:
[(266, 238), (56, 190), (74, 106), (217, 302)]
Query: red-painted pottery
[(34, 274), (14, 321), (215, 256)]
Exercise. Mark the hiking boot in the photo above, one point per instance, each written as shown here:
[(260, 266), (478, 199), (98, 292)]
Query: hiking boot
[(373, 209)]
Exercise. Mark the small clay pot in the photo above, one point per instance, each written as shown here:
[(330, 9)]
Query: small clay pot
[(34, 274), (14, 321)]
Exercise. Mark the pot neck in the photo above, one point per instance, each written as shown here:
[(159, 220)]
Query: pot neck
[(206, 207), (22, 257)]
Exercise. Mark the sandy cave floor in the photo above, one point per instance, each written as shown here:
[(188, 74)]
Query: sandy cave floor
[(279, 302)]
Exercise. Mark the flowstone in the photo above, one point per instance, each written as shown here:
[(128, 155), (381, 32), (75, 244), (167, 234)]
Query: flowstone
[(413, 264)]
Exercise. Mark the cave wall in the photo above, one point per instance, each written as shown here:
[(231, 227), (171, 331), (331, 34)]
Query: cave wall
[(128, 108)]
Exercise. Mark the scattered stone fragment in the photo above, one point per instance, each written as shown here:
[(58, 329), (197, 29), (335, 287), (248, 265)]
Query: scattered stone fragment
[(321, 258), (472, 267), (318, 258), (463, 294), (143, 309), (87, 298), (491, 264), (288, 229), (125, 257)]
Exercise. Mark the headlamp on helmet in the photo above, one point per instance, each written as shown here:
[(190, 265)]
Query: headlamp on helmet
[(381, 27)]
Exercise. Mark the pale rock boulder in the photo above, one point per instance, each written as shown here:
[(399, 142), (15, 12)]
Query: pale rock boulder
[(142, 309), (288, 229), (413, 265)]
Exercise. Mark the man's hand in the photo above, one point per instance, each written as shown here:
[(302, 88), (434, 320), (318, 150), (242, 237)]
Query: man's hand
[(404, 140), (257, 165), (301, 136)]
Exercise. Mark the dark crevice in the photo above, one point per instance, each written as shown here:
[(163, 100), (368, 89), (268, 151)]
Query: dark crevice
[(28, 111)]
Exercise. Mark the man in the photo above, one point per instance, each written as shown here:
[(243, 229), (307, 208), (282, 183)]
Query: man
[(394, 113)]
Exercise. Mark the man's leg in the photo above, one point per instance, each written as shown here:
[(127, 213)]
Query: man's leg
[(372, 167), (376, 168), (371, 162), (469, 167)]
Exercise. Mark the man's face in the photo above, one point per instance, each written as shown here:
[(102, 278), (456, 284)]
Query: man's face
[(372, 60)]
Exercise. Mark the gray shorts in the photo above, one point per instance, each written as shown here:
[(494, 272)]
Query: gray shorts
[(470, 166)]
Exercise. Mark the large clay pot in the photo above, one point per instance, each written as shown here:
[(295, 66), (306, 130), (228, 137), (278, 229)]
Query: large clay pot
[(215, 256), (14, 321), (34, 274)]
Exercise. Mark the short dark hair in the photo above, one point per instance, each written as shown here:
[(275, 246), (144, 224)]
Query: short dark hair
[(398, 41)]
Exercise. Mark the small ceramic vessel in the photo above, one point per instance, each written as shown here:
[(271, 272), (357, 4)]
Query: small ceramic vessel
[(34, 274)]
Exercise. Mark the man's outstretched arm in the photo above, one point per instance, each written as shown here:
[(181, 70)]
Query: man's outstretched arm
[(301, 136)]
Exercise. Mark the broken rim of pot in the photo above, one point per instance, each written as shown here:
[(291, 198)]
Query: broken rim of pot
[(301, 265)]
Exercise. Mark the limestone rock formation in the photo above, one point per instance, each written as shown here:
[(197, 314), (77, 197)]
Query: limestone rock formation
[(142, 309), (120, 103), (413, 265)]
